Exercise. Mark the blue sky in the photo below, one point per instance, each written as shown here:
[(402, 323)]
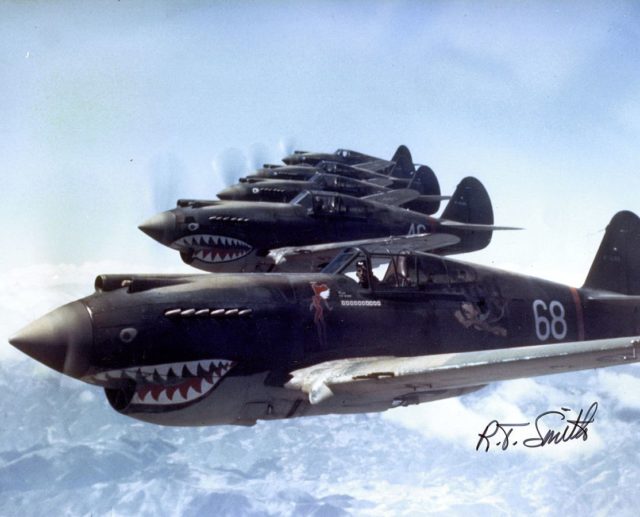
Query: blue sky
[(110, 111)]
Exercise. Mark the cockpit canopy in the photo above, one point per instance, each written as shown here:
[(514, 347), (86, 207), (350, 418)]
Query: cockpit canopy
[(323, 181), (399, 271), (343, 153), (330, 204)]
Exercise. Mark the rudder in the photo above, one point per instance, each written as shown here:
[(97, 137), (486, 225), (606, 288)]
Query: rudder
[(616, 266), (404, 163), (470, 203), (425, 182)]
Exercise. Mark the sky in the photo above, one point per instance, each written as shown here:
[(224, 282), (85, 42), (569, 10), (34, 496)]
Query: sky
[(110, 111)]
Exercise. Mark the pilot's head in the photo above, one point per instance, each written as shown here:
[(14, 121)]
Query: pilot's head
[(362, 273)]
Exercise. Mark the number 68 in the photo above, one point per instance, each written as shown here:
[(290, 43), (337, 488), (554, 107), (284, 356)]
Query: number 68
[(549, 320)]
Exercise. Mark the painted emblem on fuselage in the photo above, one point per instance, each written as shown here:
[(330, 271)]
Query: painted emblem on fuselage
[(319, 303), (470, 315)]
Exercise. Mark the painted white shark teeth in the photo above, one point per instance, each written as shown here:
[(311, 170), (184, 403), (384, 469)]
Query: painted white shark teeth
[(206, 386), (169, 384), (213, 248), (132, 374), (162, 370)]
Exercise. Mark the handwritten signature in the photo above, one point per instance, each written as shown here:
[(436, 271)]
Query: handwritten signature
[(559, 427)]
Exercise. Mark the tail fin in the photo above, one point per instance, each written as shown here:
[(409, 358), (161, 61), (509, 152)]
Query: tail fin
[(404, 163), (426, 183), (470, 203), (617, 264)]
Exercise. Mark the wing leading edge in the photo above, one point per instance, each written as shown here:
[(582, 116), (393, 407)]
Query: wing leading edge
[(374, 375)]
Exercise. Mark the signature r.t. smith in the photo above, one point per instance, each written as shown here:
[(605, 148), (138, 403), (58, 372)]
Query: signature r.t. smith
[(560, 429)]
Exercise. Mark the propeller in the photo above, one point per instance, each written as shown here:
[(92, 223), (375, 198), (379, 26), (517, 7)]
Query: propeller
[(167, 174), (259, 155), (287, 145), (231, 165)]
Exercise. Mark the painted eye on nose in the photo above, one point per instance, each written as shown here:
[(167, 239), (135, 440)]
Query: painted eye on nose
[(193, 227), (127, 335)]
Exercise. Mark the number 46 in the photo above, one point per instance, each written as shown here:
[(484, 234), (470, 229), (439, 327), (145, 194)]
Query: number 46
[(549, 320)]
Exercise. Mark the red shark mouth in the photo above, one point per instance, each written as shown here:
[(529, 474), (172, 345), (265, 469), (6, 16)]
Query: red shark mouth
[(213, 248), (170, 384)]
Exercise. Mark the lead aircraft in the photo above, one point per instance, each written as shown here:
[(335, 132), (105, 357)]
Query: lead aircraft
[(378, 328), (400, 165)]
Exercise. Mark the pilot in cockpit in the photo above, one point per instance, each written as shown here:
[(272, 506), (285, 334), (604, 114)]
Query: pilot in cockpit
[(362, 272)]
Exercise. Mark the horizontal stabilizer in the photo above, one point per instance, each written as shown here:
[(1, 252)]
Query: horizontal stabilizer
[(476, 227), (433, 198), (380, 182), (396, 197)]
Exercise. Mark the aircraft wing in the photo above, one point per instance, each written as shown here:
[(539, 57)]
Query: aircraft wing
[(435, 373), (296, 256)]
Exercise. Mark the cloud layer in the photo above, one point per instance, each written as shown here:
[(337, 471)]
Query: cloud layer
[(407, 460)]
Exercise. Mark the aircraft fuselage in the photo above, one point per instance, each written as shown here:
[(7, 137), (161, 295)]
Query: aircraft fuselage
[(216, 349), (237, 236)]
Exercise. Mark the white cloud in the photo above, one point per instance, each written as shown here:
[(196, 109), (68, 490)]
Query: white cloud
[(459, 421), (623, 388)]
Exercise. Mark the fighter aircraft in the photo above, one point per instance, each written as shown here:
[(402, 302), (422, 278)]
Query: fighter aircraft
[(396, 176), (424, 181), (401, 164), (378, 328), (305, 234)]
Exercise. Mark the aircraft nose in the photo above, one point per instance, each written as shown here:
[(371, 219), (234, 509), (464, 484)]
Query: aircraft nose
[(60, 339), (160, 227), (230, 193)]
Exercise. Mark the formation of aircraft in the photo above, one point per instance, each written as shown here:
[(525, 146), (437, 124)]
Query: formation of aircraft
[(239, 347), (277, 190), (355, 178)]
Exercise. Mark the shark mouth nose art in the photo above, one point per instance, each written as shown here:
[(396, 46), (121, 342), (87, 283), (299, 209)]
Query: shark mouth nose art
[(213, 248), (169, 384)]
